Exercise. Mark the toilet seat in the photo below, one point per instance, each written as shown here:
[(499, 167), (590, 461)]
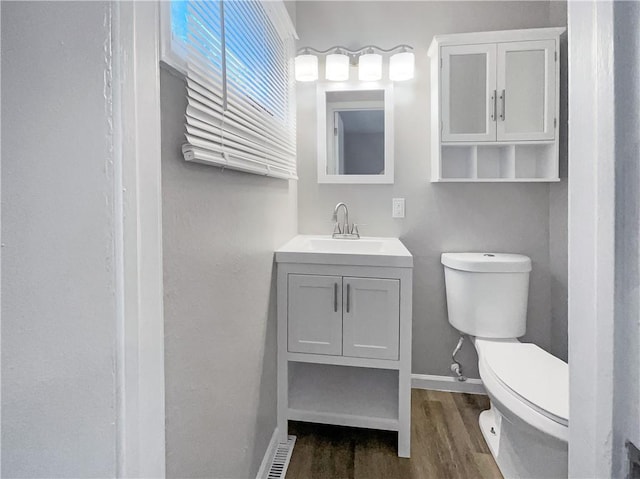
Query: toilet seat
[(535, 376), (528, 381)]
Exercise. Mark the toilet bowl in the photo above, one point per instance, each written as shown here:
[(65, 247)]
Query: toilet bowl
[(527, 426)]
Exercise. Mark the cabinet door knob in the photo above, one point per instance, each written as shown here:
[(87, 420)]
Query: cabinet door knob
[(348, 296), (503, 97), (335, 297)]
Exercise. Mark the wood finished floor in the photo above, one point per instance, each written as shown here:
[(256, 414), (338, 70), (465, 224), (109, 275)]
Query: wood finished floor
[(446, 442)]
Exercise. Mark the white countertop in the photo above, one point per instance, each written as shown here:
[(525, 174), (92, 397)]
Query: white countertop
[(365, 251)]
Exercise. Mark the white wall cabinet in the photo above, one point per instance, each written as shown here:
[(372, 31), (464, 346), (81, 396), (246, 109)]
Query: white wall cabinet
[(344, 346), (495, 106)]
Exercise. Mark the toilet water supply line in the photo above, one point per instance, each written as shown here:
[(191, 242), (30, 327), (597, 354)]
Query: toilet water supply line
[(456, 367)]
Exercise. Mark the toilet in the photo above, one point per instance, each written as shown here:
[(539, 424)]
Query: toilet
[(527, 426)]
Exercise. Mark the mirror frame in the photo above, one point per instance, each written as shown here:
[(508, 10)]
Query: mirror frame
[(321, 106)]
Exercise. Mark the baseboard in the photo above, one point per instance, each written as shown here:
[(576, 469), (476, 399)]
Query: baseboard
[(268, 455), (447, 383)]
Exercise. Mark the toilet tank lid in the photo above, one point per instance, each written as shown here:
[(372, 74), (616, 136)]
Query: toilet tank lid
[(487, 262)]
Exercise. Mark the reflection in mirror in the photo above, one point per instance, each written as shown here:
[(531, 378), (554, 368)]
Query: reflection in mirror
[(358, 142), (356, 137)]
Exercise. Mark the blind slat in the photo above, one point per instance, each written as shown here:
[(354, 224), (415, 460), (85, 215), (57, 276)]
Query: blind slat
[(248, 123), (199, 106), (196, 129)]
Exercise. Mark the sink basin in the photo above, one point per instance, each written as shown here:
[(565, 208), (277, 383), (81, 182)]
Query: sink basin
[(366, 251), (357, 246)]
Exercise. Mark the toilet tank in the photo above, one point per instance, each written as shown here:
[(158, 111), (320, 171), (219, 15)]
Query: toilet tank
[(487, 293)]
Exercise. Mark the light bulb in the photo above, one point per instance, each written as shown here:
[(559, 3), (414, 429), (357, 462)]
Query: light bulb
[(306, 67), (370, 67), (337, 67), (401, 66)]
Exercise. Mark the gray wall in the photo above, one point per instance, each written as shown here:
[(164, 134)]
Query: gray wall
[(220, 229), (440, 217), (58, 308), (558, 208), (626, 416)]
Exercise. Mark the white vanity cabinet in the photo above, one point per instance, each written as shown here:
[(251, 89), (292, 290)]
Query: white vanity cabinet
[(344, 336), (495, 105), (343, 316)]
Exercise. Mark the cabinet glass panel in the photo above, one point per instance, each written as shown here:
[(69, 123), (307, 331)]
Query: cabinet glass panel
[(467, 94), (526, 90), (525, 85)]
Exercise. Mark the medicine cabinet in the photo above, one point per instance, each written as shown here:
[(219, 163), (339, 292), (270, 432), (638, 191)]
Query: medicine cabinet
[(355, 133), (495, 106)]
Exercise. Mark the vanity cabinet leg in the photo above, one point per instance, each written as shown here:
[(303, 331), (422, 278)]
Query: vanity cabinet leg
[(283, 401), (404, 415)]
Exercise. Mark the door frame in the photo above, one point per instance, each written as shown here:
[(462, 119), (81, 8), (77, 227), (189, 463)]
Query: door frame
[(591, 228), (139, 368)]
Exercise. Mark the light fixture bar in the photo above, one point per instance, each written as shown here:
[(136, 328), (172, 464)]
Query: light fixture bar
[(368, 58), (359, 51)]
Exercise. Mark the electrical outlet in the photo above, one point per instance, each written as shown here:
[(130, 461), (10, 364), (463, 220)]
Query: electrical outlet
[(397, 208)]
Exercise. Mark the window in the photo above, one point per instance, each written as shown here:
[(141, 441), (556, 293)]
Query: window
[(237, 57)]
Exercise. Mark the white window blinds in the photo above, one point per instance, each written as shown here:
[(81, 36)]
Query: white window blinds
[(240, 87)]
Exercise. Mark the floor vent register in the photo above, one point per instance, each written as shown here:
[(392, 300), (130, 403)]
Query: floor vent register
[(280, 459)]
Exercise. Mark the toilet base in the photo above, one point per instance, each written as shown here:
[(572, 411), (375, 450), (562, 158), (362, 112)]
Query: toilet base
[(522, 452)]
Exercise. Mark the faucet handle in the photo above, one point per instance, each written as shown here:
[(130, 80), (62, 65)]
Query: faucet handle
[(354, 230), (336, 229)]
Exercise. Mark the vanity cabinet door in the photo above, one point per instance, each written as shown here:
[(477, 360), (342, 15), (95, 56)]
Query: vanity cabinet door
[(315, 314), (526, 85), (468, 82), (371, 317)]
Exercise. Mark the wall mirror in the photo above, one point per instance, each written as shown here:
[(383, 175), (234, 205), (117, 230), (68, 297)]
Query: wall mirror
[(355, 134)]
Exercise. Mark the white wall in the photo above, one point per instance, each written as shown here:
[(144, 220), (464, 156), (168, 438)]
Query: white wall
[(220, 231), (58, 299), (440, 217)]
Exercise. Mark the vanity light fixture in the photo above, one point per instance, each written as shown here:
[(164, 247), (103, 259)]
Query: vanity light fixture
[(306, 66), (370, 66), (337, 67), (368, 59), (401, 66)]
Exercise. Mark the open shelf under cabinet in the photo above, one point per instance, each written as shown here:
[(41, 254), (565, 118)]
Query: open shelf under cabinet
[(515, 162)]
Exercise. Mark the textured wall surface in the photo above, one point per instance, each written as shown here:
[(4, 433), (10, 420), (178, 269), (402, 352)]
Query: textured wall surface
[(439, 217), (220, 231), (58, 293), (627, 316)]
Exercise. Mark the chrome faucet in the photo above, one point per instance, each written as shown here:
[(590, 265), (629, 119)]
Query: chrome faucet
[(346, 230)]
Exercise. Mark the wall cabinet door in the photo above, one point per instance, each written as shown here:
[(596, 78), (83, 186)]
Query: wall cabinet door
[(526, 84), (371, 318), (315, 314), (468, 81)]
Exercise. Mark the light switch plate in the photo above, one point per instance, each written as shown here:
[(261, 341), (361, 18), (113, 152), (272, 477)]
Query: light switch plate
[(397, 208)]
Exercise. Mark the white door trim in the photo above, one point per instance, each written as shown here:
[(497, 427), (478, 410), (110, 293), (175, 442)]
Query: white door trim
[(140, 426), (591, 236)]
